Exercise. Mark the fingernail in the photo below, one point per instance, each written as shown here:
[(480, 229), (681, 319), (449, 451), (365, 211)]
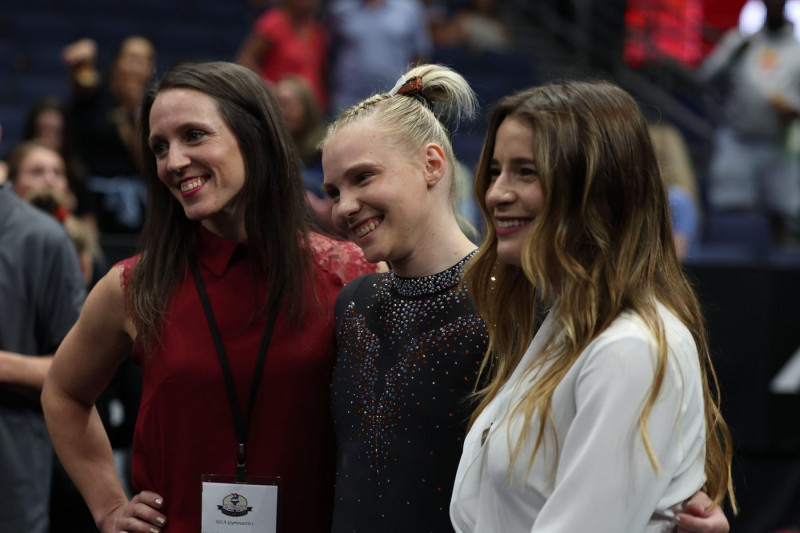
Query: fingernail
[(159, 501), (161, 520), (153, 530)]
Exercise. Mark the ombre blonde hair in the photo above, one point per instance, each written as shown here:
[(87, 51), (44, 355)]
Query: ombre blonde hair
[(445, 99), (601, 245)]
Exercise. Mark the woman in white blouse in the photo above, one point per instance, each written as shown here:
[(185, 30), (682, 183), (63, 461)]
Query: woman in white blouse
[(604, 415)]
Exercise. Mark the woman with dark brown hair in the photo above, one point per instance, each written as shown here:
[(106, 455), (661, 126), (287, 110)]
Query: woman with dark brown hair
[(228, 308)]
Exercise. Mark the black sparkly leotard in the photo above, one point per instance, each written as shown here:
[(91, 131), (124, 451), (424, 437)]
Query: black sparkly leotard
[(408, 355)]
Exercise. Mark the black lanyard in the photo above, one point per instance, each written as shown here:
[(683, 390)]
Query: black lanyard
[(240, 425)]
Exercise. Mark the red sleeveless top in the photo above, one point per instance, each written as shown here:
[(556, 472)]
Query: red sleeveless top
[(184, 426)]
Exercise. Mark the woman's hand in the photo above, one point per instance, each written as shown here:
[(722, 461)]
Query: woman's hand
[(699, 518), (140, 514)]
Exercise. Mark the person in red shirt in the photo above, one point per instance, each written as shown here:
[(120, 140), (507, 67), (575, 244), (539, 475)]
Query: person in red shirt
[(287, 39), (226, 254)]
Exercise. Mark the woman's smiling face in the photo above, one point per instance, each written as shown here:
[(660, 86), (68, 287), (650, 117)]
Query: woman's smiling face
[(198, 159), (514, 197), (378, 190)]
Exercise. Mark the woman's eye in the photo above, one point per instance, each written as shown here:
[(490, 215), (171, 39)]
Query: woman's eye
[(528, 171), (333, 194), (194, 135), (363, 177), (159, 149), (493, 173)]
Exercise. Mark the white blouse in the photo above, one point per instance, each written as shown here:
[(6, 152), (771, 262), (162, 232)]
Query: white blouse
[(593, 473)]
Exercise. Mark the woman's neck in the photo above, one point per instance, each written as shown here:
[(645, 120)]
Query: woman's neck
[(440, 252), (233, 231)]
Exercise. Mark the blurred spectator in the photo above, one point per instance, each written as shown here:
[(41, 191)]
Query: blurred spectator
[(46, 122), (677, 171), (32, 166), (49, 123), (42, 291), (104, 113), (478, 26), (371, 41), (38, 172), (51, 202), (287, 39), (307, 126), (750, 168)]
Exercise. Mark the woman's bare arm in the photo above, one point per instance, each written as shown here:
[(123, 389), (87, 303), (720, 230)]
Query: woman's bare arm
[(81, 369)]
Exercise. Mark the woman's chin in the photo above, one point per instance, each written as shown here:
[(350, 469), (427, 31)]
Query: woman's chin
[(509, 255)]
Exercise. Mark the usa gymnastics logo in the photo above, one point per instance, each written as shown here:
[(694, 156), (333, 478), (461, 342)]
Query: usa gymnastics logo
[(234, 504)]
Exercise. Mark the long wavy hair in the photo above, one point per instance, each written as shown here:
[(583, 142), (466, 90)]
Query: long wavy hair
[(446, 98), (276, 219), (601, 245)]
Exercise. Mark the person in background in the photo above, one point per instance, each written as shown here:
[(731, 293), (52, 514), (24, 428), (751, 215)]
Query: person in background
[(33, 166), (478, 26), (677, 171), (602, 402), (229, 284), (49, 122), (42, 291), (287, 40), (371, 41), (752, 167), (105, 112), (307, 126)]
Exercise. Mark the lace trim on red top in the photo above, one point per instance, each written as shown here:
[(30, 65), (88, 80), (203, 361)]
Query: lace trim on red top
[(127, 265), (343, 259)]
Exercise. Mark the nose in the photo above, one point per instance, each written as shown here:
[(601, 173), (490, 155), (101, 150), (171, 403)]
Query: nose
[(51, 178), (347, 206), (177, 159), (499, 192)]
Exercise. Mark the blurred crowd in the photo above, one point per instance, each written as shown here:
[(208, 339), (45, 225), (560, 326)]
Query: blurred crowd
[(319, 58), (77, 160)]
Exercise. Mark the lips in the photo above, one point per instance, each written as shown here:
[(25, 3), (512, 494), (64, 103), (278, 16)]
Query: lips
[(512, 223), (191, 186), (364, 228), (509, 225)]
